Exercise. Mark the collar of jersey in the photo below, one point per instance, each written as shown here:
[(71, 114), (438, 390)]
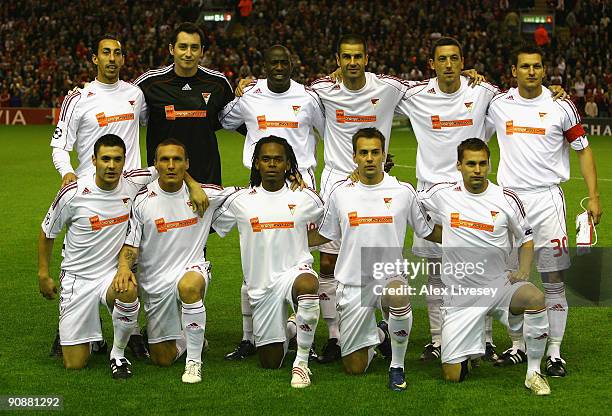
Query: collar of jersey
[(521, 99), (384, 179), (166, 193), (104, 191), (107, 87), (279, 192), (480, 195), (439, 91), (360, 90)]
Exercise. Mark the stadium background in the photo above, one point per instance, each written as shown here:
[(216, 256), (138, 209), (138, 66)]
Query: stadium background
[(43, 53)]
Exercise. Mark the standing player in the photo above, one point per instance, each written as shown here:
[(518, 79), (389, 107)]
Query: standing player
[(184, 101), (535, 134), (477, 217), (107, 105), (273, 222), (287, 109), (95, 210), (163, 222), (369, 215), (279, 105)]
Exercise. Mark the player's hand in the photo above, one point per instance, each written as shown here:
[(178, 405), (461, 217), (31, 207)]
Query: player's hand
[(389, 163), (558, 92), (122, 279), (594, 210), (296, 181), (199, 199), (68, 178), (47, 287), (354, 176), (475, 77), (242, 84), (518, 276), (336, 75)]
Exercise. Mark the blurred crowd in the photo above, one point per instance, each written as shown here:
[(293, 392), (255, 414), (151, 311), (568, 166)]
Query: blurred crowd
[(45, 45)]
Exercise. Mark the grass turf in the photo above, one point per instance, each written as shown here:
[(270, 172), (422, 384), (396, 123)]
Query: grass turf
[(29, 322)]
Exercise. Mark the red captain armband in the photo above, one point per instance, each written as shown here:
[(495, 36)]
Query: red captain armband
[(573, 133)]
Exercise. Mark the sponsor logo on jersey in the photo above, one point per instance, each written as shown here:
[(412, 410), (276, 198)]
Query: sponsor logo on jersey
[(511, 129), (186, 87), (253, 192), (469, 106), (375, 101), (152, 194), (89, 94), (206, 96), (257, 91), (456, 222), (388, 202), (296, 109), (260, 226), (457, 189), (291, 208), (494, 215), (163, 226), (432, 91), (104, 120), (336, 87), (172, 114), (510, 97), (85, 191), (263, 124), (438, 124), (356, 221), (97, 224), (342, 117)]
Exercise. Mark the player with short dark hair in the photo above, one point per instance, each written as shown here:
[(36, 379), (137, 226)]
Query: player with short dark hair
[(273, 222), (479, 218)]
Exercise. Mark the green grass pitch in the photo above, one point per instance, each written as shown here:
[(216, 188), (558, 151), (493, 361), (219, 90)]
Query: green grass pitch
[(28, 325)]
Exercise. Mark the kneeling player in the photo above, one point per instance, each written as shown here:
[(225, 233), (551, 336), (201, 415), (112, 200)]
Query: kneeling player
[(168, 239), (273, 222), (95, 210), (371, 217), (477, 218)]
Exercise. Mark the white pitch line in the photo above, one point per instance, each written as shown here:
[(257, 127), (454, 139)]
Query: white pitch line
[(572, 177)]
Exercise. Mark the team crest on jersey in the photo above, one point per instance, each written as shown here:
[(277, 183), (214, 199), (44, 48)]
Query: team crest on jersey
[(189, 204), (388, 202), (296, 109), (469, 106), (291, 208), (132, 102), (86, 191), (542, 115), (89, 94), (206, 96), (494, 215), (375, 101), (432, 91), (152, 194), (257, 91), (125, 201)]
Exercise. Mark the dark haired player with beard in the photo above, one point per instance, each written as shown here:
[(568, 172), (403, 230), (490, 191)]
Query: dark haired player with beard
[(273, 222)]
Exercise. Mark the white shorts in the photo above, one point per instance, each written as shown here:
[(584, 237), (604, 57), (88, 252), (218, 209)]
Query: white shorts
[(270, 310), (545, 210), (164, 311), (463, 327), (329, 177), (79, 305), (420, 246)]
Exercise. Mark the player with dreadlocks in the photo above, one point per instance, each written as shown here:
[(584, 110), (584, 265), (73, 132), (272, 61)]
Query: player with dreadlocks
[(273, 222)]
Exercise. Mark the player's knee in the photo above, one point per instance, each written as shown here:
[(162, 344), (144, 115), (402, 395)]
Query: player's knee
[(397, 296), (130, 295), (306, 284), (191, 288), (527, 297)]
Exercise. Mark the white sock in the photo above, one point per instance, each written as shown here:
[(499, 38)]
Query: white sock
[(434, 302), (291, 330), (535, 330), (306, 319), (556, 304), (371, 355), (518, 342), (194, 324), (125, 319), (181, 346), (489, 329), (327, 299), (400, 324), (247, 314)]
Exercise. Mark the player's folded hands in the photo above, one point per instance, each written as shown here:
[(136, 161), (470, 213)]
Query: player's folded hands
[(122, 280)]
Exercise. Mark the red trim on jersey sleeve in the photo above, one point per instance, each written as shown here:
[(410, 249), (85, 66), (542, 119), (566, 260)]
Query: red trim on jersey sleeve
[(574, 133)]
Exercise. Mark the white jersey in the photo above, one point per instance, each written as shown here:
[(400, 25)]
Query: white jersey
[(347, 111), (371, 216), (96, 110), (291, 115), (169, 235), (97, 222), (442, 121), (273, 229), (476, 231), (534, 138)]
